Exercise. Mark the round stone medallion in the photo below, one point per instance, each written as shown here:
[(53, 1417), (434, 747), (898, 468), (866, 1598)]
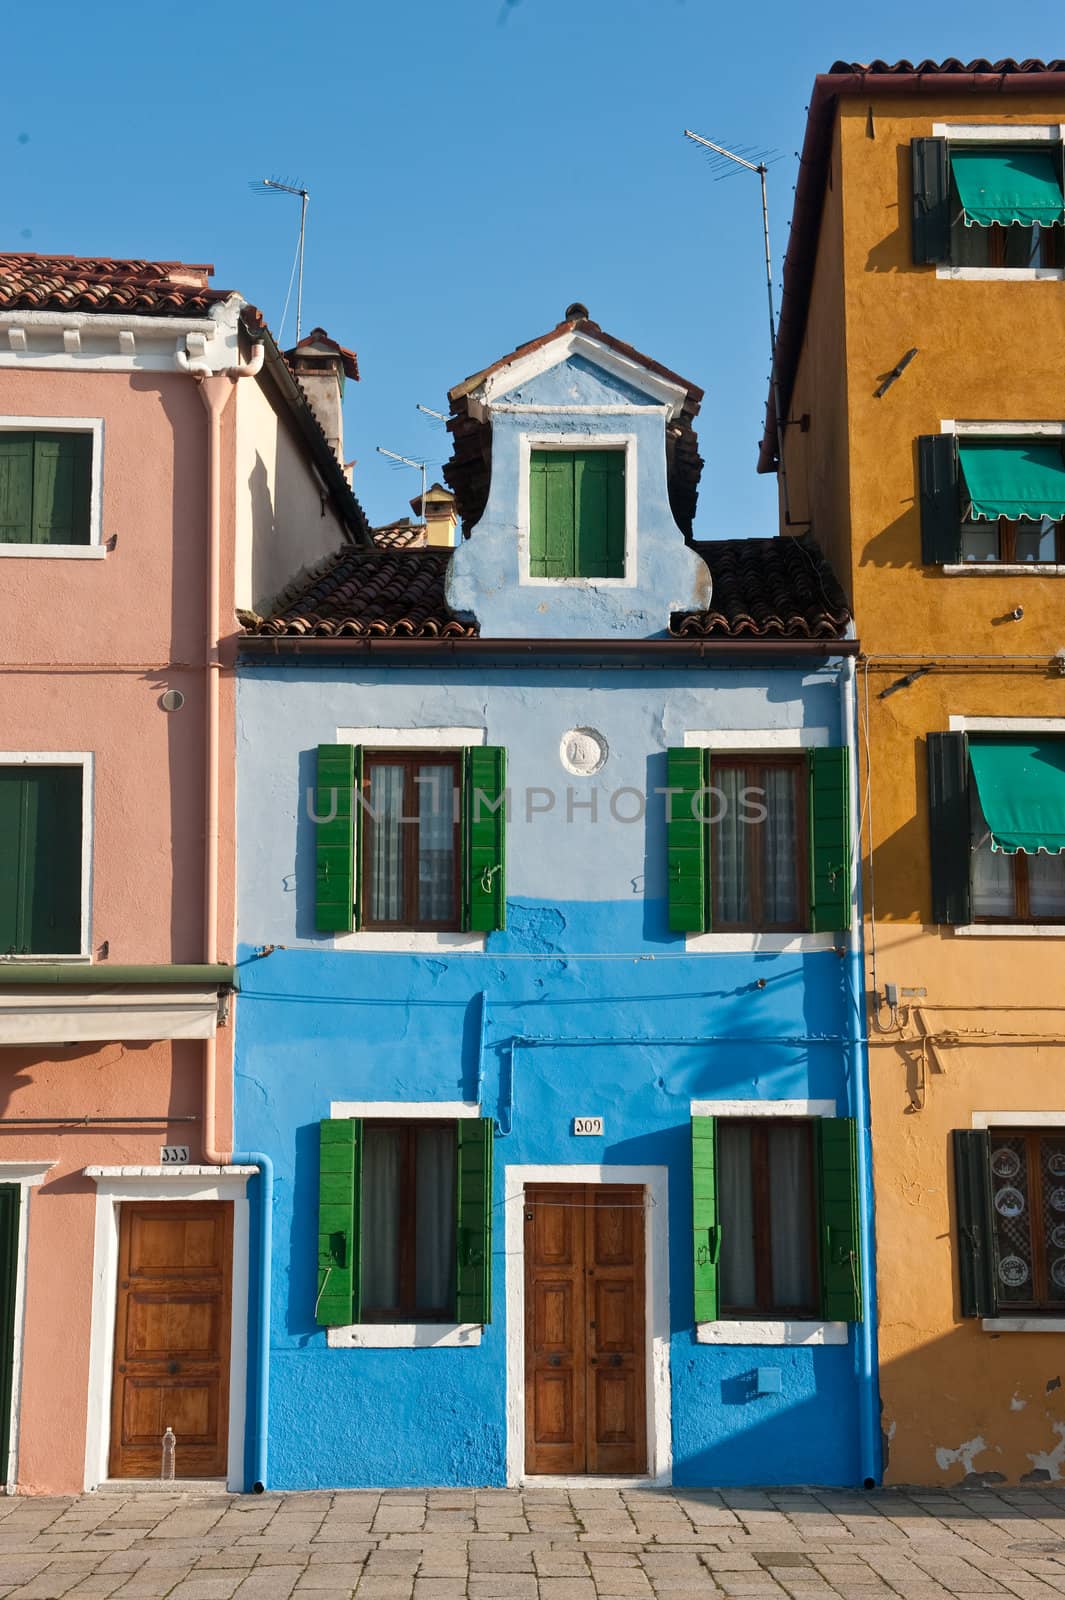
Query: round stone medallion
[(583, 751)]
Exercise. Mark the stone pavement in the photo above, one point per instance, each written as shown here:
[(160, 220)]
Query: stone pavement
[(536, 1544)]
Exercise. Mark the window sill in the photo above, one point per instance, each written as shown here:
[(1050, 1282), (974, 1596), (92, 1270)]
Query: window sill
[(1023, 1324), (403, 1335), (1001, 274), (36, 957), (1010, 930), (768, 943), (771, 1332), (410, 942), (56, 552), (1003, 569)]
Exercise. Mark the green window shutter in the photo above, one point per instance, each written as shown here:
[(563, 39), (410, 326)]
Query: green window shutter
[(949, 828), (473, 1213), (599, 513), (335, 802), (552, 542), (930, 165), (685, 842), (838, 1209), (10, 1203), (976, 1230), (16, 488), (940, 498), (830, 840), (339, 1197), (40, 860), (62, 485), (706, 1227), (486, 838)]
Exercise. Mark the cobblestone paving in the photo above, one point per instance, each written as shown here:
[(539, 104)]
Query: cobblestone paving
[(536, 1544)]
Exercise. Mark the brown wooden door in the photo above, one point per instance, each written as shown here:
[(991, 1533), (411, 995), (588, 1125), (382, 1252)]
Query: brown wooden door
[(172, 1332), (585, 1379)]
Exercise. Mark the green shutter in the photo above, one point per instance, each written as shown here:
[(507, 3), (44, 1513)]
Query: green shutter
[(949, 828), (685, 842), (931, 200), (940, 499), (62, 485), (339, 1195), (706, 1228), (830, 840), (16, 488), (335, 802), (473, 1213), (976, 1232), (10, 1202), (552, 544), (840, 1254), (599, 513), (485, 850), (40, 860)]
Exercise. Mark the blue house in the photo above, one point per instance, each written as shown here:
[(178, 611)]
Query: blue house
[(550, 1019)]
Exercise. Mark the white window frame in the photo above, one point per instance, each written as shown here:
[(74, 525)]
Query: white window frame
[(527, 443), (1003, 430), (95, 549), (86, 761), (1020, 1119), (762, 741), (977, 133), (28, 1175), (768, 1330), (403, 1335), (1052, 725), (410, 941)]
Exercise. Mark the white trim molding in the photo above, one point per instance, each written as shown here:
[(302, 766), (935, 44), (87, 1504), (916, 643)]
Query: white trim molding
[(93, 426), (527, 443), (403, 1335), (411, 942), (1018, 1119), (1001, 274), (99, 341), (999, 132), (958, 724), (655, 1183), (1002, 569), (1022, 1324), (1002, 430), (86, 760), (28, 1175), (763, 1108), (768, 1331), (523, 368), (766, 943), (114, 1186), (743, 739), (413, 738), (396, 1110), (1008, 930)]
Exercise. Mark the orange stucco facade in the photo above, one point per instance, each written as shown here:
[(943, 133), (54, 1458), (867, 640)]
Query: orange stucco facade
[(985, 1031)]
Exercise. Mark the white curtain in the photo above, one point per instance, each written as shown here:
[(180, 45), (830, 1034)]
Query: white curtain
[(386, 843), (992, 880), (779, 864), (380, 1218), (789, 1216), (736, 1201), (729, 878), (1046, 885), (434, 1251), (436, 844)]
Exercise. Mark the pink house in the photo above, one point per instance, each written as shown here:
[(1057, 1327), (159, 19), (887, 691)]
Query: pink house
[(161, 466)]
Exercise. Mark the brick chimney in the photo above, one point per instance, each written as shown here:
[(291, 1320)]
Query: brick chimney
[(439, 516), (321, 365)]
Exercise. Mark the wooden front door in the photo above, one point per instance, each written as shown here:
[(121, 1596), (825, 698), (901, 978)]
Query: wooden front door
[(585, 1378), (172, 1331)]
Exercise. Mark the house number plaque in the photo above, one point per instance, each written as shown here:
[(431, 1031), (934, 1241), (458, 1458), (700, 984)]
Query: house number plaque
[(592, 1125), (174, 1155)]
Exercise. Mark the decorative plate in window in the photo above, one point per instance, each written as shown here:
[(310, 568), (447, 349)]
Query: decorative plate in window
[(1056, 1163), (1012, 1271), (1057, 1272), (1005, 1163), (1009, 1202), (1057, 1237)]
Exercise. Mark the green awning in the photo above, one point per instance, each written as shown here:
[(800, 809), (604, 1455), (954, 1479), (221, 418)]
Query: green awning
[(1021, 784), (1023, 479), (1005, 186)]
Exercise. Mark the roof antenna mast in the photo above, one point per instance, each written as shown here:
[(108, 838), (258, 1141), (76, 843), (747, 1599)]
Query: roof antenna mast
[(761, 166), (275, 186), (405, 461)]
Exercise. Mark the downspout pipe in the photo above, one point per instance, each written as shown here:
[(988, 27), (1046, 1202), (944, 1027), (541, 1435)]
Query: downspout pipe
[(870, 1465), (215, 390)]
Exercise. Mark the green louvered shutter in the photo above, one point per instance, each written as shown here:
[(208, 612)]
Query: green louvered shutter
[(552, 528), (930, 165), (975, 1245), (62, 483), (830, 840), (949, 828), (335, 839), (940, 498), (339, 1194), (16, 488), (486, 838), (40, 860), (706, 1228), (686, 850), (840, 1239), (473, 1212), (10, 1203), (599, 513)]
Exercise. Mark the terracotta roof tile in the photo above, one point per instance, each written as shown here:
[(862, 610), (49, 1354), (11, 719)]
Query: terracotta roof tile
[(781, 588), (82, 283), (402, 535)]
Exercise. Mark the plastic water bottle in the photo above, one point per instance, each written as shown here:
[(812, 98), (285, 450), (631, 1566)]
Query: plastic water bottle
[(169, 1452)]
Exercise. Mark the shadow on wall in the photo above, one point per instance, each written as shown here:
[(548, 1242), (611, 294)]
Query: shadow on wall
[(265, 532), (304, 879), (892, 252), (899, 544), (898, 867)]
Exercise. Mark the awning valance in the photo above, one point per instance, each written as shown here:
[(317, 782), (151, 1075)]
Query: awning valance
[(1004, 186), (1022, 479), (1021, 784)]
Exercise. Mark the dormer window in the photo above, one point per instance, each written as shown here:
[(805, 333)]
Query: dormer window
[(577, 514)]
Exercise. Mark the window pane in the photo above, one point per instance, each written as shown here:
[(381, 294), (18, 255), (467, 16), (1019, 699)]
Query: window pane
[(1012, 1218), (780, 867), (436, 843), (1036, 541), (992, 880), (730, 874), (1052, 1176), (736, 1201), (381, 1152), (979, 541), (789, 1217), (386, 843), (435, 1220), (1046, 885)]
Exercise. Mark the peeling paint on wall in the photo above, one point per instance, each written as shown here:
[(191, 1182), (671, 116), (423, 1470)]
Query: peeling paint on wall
[(1047, 1463)]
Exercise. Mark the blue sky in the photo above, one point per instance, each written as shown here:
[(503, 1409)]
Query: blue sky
[(474, 166)]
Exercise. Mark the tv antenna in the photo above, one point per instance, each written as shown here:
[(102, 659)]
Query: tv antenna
[(760, 164), (429, 412), (264, 186), (405, 461)]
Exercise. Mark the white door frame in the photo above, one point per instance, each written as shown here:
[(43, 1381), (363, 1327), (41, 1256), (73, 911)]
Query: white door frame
[(115, 1185), (28, 1175), (655, 1184)]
